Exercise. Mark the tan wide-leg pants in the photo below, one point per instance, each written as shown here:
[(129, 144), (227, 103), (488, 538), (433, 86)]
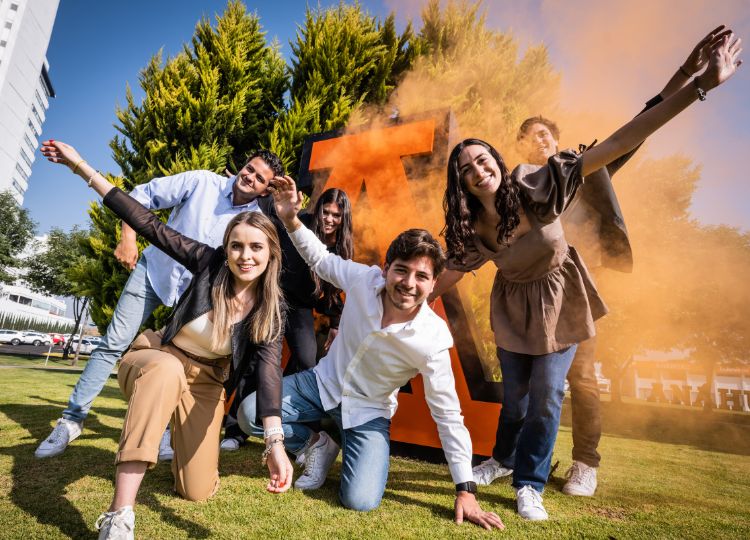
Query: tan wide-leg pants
[(163, 382)]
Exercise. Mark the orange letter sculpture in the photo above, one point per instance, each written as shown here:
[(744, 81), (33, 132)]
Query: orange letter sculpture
[(401, 196)]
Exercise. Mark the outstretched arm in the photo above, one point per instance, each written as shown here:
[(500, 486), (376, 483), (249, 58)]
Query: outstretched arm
[(188, 252), (722, 65), (696, 61), (64, 154)]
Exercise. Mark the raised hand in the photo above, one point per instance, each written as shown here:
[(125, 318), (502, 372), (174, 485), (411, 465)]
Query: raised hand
[(699, 56), (59, 152), (723, 62), (286, 199)]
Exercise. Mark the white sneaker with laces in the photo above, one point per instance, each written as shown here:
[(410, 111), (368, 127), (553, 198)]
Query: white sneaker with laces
[(581, 480), (65, 432), (300, 460), (165, 446), (117, 525), (230, 445), (488, 471), (318, 459), (529, 503)]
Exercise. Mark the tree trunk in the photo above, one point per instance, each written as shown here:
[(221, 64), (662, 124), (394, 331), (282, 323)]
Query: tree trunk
[(79, 316)]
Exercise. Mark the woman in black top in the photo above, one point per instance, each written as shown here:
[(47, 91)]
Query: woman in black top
[(227, 326), (331, 220)]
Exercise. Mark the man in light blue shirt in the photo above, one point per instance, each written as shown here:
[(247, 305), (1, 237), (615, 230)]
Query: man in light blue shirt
[(203, 203)]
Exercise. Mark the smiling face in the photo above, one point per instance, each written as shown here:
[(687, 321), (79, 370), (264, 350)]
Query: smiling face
[(538, 144), (252, 181), (330, 217), (479, 171), (248, 253), (408, 283)]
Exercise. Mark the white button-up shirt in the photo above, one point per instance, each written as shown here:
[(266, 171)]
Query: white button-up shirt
[(366, 364), (202, 205)]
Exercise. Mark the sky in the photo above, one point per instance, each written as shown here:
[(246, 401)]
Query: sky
[(612, 56)]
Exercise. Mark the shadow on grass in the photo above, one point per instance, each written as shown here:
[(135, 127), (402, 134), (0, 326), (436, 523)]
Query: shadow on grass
[(716, 431), (40, 486)]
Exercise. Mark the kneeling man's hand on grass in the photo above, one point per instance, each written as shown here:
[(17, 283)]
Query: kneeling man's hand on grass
[(467, 507)]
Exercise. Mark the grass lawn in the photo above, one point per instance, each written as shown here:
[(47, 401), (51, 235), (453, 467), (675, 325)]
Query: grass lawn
[(648, 489)]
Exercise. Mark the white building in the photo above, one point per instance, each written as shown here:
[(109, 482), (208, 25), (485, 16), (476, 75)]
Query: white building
[(19, 301), (25, 87), (674, 376)]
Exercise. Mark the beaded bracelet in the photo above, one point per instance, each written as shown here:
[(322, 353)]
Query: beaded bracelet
[(269, 447)]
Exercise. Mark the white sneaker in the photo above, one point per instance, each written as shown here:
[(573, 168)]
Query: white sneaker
[(581, 480), (165, 446), (529, 502), (65, 432), (230, 445), (318, 459), (489, 470), (300, 460), (117, 525)]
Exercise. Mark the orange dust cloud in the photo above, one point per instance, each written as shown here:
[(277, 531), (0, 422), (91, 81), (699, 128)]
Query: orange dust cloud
[(590, 67)]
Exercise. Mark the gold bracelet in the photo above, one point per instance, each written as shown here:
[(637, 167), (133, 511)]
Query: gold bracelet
[(75, 168)]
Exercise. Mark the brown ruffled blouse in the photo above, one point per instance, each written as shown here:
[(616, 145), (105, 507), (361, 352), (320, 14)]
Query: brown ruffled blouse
[(543, 298)]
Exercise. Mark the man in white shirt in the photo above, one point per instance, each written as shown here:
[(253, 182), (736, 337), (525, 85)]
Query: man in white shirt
[(387, 335)]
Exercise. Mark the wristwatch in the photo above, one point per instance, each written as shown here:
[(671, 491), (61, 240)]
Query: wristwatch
[(471, 487)]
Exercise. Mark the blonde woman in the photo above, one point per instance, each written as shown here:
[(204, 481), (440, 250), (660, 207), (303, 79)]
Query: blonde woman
[(226, 325)]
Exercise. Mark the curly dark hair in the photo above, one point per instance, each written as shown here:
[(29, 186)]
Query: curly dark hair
[(462, 208), (271, 159)]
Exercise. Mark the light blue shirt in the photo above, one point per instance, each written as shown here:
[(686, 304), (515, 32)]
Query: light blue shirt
[(202, 207)]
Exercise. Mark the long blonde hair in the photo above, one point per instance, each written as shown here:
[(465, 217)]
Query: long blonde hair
[(267, 315)]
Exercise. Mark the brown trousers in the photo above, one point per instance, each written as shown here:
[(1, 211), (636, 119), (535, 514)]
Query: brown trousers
[(161, 382)]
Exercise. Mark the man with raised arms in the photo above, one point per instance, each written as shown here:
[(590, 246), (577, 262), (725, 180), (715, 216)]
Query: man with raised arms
[(387, 335)]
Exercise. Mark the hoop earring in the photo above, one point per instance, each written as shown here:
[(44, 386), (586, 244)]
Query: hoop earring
[(226, 262)]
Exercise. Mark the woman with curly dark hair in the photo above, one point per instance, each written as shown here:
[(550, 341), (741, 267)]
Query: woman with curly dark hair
[(543, 300)]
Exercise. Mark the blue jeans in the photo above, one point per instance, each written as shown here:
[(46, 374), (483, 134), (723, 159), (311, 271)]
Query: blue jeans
[(366, 448), (137, 301), (533, 392)]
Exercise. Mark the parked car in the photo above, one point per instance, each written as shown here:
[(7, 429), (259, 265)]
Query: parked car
[(11, 336), (57, 339), (36, 339), (87, 346)]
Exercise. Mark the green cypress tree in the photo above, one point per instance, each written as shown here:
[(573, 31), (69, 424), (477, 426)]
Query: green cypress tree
[(343, 58), (205, 108), (16, 230)]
